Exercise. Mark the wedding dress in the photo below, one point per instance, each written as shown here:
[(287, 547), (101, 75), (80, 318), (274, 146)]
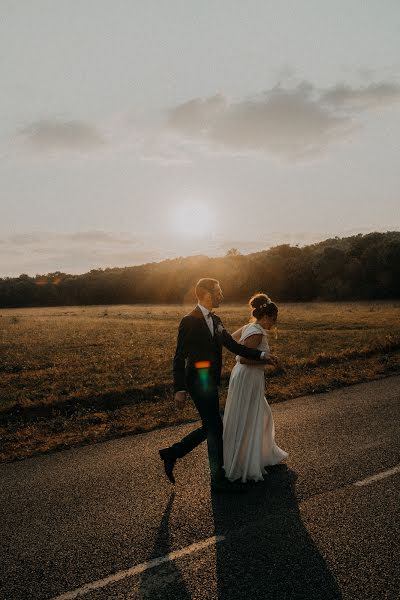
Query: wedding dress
[(249, 432)]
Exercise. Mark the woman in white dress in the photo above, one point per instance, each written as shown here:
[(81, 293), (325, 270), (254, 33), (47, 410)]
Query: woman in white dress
[(249, 432)]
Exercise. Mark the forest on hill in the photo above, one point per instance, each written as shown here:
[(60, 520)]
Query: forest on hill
[(359, 267)]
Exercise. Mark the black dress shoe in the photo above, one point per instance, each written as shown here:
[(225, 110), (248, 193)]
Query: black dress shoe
[(169, 463), (224, 486)]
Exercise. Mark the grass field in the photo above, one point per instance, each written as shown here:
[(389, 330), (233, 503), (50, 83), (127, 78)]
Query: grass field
[(72, 375)]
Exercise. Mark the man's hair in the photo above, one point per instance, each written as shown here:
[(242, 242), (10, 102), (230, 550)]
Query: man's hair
[(205, 285)]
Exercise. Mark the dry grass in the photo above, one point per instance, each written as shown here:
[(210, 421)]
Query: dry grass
[(77, 375)]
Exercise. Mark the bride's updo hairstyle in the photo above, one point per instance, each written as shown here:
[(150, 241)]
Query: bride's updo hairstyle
[(262, 306)]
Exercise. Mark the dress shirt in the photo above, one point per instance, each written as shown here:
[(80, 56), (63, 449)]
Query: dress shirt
[(207, 317)]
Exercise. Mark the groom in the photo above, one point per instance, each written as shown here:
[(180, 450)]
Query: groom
[(197, 370)]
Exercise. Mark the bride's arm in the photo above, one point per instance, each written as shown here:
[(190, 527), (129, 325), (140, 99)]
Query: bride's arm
[(247, 361), (268, 361)]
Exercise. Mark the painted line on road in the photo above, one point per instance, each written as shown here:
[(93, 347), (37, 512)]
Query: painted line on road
[(378, 476), (137, 569)]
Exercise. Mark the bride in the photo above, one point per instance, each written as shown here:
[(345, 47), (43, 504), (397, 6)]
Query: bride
[(249, 432)]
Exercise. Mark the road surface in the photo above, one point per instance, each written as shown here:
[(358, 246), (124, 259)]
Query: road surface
[(102, 522)]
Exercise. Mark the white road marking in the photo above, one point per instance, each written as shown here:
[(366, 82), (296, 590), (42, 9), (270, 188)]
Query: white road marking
[(378, 476), (137, 569)]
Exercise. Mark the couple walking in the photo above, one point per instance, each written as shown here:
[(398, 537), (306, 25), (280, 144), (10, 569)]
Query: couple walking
[(242, 445)]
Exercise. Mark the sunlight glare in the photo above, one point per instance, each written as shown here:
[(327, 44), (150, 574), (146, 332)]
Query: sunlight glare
[(194, 220)]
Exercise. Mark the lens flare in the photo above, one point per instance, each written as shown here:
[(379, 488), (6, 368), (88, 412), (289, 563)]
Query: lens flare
[(202, 364), (203, 368)]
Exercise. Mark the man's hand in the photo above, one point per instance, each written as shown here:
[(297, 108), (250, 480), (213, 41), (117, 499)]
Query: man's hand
[(180, 399)]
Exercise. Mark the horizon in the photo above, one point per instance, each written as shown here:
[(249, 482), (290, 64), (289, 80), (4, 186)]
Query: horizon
[(245, 252)]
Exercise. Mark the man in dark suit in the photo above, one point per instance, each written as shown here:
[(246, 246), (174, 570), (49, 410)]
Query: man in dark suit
[(197, 370)]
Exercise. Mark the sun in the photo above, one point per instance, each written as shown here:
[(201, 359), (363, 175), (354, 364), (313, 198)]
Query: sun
[(193, 220)]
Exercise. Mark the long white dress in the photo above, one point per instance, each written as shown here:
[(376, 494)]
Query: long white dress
[(249, 431)]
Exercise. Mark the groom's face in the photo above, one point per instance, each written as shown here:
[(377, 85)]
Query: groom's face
[(216, 296)]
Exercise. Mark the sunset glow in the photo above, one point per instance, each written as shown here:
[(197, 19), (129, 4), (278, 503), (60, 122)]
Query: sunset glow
[(193, 220)]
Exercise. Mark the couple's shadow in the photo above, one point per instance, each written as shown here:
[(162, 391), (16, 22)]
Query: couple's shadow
[(266, 552)]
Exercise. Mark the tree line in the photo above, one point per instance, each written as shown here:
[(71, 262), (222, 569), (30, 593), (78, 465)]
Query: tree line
[(359, 267)]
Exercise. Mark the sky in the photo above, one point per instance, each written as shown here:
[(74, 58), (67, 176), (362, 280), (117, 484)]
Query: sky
[(136, 131)]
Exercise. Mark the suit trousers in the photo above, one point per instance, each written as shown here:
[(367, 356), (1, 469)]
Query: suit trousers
[(205, 397)]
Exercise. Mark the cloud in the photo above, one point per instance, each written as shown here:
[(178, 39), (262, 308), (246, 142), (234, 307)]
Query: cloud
[(290, 121), (363, 98), (382, 73), (73, 252), (62, 135), (293, 123), (198, 117), (95, 237)]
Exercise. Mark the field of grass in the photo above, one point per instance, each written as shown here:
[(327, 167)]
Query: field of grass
[(73, 375)]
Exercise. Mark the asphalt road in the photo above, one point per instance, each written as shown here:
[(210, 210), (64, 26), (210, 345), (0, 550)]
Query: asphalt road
[(79, 516)]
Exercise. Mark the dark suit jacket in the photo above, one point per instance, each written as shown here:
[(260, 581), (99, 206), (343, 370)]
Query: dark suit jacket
[(195, 343)]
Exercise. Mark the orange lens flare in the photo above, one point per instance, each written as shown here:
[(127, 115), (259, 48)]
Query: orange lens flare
[(202, 364)]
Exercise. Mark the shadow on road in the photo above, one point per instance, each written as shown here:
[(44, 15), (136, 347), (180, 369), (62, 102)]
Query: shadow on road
[(168, 575), (268, 552)]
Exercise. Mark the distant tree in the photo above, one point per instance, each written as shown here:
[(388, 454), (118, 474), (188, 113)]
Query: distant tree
[(233, 252)]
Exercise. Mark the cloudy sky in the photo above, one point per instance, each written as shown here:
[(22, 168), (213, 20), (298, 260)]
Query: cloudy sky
[(132, 131)]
